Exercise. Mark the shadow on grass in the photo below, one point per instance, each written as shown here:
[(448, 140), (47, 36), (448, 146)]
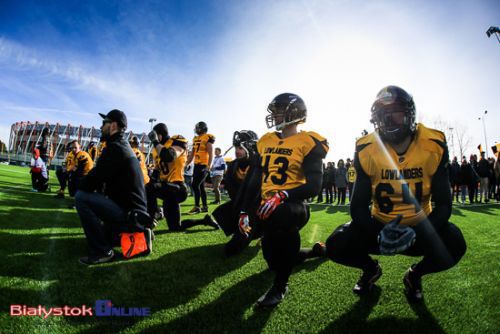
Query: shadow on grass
[(226, 313), (160, 283), (29, 219), (356, 319), (334, 209), (27, 200), (488, 209)]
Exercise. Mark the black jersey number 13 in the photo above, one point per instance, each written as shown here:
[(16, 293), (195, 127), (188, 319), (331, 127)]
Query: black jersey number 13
[(281, 178)]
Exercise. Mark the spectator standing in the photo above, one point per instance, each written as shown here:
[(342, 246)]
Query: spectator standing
[(497, 176), (474, 165), (333, 172), (323, 186), (465, 176), (483, 170), (492, 183), (217, 172), (330, 180), (341, 182), (454, 178), (472, 180)]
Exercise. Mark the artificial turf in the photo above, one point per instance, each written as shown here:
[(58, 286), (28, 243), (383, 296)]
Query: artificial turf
[(190, 287)]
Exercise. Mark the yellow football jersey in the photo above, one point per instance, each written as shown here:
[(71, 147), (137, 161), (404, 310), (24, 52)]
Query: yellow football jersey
[(100, 147), (351, 174), (200, 148), (93, 152), (174, 170), (142, 163), (401, 184), (83, 158), (70, 161), (282, 159)]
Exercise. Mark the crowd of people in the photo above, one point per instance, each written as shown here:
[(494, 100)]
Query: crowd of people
[(396, 171), (477, 180)]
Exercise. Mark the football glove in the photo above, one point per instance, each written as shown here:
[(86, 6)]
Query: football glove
[(271, 204), (244, 224), (153, 137), (395, 238)]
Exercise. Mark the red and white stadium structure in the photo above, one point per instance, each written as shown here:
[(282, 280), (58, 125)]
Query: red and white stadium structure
[(24, 136)]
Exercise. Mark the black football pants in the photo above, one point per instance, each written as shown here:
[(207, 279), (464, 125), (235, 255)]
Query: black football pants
[(200, 173), (351, 245), (38, 182), (172, 194), (62, 177), (281, 238)]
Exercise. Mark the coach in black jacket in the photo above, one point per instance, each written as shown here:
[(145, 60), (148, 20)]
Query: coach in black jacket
[(117, 172)]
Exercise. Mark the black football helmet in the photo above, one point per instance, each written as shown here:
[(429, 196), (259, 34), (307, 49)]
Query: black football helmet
[(247, 139), (391, 100), (134, 142), (286, 109), (200, 128)]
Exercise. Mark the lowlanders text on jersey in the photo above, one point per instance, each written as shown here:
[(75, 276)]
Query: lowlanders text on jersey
[(398, 174)]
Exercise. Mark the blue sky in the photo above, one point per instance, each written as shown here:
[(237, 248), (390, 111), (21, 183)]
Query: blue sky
[(223, 61)]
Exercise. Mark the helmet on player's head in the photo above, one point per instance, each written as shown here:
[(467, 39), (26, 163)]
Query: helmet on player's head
[(162, 129), (201, 128), (134, 142), (286, 109), (393, 114), (247, 139)]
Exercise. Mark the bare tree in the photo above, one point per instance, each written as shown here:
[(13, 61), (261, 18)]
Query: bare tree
[(449, 130), (459, 140), (463, 139)]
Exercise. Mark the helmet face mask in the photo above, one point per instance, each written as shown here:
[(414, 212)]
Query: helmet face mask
[(247, 140), (393, 114), (286, 109)]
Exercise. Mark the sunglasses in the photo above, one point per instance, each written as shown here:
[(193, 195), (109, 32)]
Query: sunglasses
[(104, 122)]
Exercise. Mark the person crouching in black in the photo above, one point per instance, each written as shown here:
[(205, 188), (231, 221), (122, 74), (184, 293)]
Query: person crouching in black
[(226, 214), (104, 216)]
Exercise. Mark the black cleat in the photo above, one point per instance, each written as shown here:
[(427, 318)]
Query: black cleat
[(367, 280), (91, 260), (413, 286), (59, 195), (204, 209), (195, 210), (208, 221), (272, 297), (319, 249)]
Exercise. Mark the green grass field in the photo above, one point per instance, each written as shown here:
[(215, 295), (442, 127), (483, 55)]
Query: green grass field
[(191, 288)]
